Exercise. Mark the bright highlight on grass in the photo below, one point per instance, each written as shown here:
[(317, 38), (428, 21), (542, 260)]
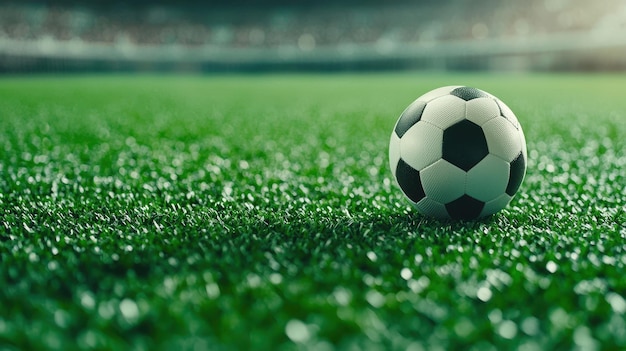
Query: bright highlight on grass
[(259, 212)]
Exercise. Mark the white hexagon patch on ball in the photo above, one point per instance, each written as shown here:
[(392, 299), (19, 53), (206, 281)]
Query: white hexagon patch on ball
[(458, 153)]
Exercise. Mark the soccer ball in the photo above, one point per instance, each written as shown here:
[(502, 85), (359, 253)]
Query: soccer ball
[(458, 153)]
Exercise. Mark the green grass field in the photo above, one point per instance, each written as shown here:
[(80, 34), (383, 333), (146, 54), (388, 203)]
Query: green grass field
[(258, 212)]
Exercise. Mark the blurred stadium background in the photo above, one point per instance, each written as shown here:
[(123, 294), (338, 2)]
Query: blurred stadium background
[(219, 35)]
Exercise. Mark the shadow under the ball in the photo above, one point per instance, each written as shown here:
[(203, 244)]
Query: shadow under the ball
[(414, 224)]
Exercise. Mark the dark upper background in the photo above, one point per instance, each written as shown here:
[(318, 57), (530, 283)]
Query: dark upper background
[(253, 35)]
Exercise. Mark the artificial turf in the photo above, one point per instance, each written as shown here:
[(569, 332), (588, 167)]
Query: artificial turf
[(258, 212)]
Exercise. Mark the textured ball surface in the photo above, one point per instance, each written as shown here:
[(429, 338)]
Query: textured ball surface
[(458, 153)]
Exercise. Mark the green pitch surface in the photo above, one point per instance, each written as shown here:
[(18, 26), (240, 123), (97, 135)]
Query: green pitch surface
[(258, 212)]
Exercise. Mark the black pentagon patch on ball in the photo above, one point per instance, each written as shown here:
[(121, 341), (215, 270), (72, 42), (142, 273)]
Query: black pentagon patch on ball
[(410, 181), (464, 144), (518, 166), (465, 207), (409, 117), (467, 93)]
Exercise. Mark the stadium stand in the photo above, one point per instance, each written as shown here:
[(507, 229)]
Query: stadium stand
[(394, 35)]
